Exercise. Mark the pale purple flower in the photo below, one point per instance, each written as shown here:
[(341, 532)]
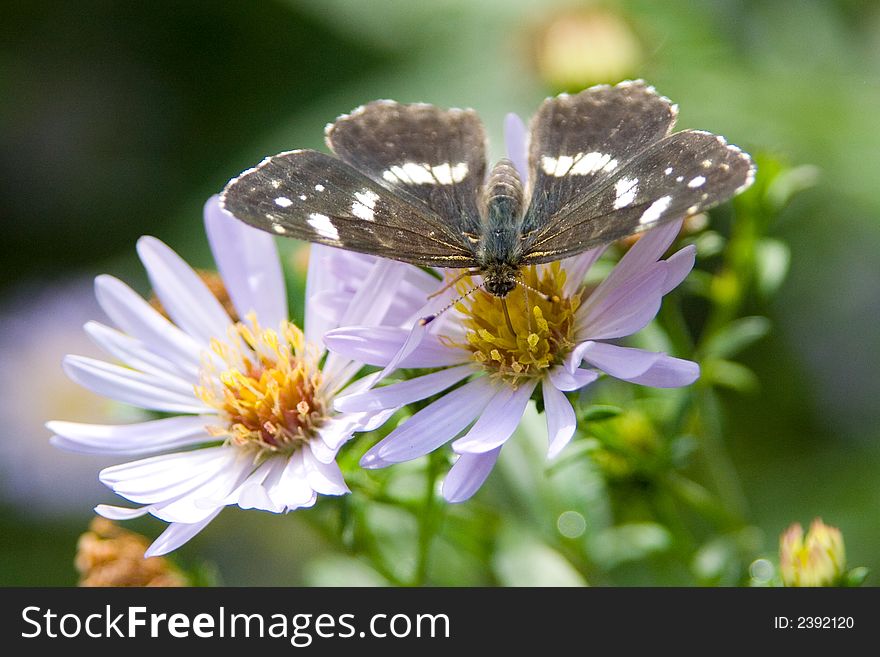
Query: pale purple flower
[(252, 422), (575, 342)]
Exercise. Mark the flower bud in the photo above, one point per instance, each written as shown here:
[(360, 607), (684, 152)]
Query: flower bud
[(817, 559)]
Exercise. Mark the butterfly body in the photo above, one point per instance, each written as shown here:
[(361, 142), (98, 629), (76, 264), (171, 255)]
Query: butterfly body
[(500, 248), (408, 182)]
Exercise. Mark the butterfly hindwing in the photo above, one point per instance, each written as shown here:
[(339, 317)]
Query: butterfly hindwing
[(315, 197), (577, 141), (684, 173), (435, 155)]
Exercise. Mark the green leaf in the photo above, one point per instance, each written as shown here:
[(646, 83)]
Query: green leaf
[(772, 260), (342, 571), (709, 244), (736, 336), (599, 412), (790, 182), (523, 560), (629, 542), (856, 576), (731, 375)]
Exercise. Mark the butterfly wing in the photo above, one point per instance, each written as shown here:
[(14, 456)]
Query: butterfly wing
[(421, 151), (684, 173), (315, 197), (577, 141)]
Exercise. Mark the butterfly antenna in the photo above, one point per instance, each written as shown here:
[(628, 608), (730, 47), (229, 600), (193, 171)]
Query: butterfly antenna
[(551, 298), (430, 318)]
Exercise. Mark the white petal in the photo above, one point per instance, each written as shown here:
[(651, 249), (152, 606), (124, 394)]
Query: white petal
[(432, 426), (164, 478), (324, 478), (377, 345), (326, 266), (292, 490), (405, 392), (248, 262), (668, 372), (336, 431), (121, 513), (516, 140), (577, 267), (176, 535), (620, 362), (623, 309), (367, 308), (198, 502), (647, 250), (132, 439), (183, 294), (498, 421), (253, 493), (138, 318), (561, 420), (130, 386), (467, 475), (135, 354), (678, 266), (565, 380)]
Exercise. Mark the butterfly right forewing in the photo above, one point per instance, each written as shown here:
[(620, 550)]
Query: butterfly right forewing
[(684, 173), (577, 141)]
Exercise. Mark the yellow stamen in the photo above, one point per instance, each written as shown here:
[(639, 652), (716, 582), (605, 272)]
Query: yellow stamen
[(543, 325), (269, 393)]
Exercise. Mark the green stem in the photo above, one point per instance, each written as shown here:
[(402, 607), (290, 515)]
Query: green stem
[(430, 517)]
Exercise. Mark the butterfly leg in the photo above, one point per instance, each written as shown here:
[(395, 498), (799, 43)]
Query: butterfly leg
[(507, 316)]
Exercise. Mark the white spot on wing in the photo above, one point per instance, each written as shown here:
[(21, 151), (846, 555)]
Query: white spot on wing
[(323, 226), (625, 190), (563, 164), (389, 176), (302, 197), (365, 202), (668, 170), (319, 188), (655, 210), (443, 173), (418, 173), (283, 202), (276, 183), (459, 171), (587, 163), (548, 164), (278, 228), (697, 181)]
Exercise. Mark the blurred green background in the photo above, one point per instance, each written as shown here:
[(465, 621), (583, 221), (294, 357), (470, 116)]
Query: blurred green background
[(119, 119)]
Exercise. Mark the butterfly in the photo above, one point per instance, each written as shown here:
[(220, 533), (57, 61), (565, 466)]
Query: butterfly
[(409, 182)]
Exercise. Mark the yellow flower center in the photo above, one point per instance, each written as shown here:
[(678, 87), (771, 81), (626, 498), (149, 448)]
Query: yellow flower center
[(268, 388), (543, 330)]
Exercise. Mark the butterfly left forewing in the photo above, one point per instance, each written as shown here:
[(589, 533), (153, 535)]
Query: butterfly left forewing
[(684, 173), (434, 155), (313, 196)]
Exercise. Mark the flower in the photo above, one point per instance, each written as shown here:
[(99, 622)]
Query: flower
[(817, 559), (108, 555), (560, 344), (252, 421)]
